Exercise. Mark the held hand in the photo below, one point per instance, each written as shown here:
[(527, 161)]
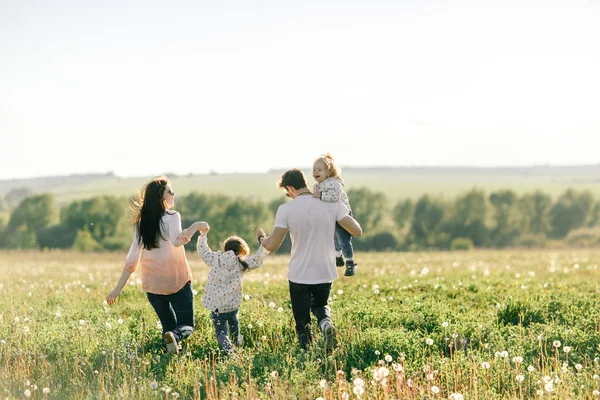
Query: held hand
[(112, 296), (260, 235), (184, 236), (203, 227)]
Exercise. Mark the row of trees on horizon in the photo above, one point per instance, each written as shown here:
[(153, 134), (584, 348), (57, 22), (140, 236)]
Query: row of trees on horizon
[(474, 219)]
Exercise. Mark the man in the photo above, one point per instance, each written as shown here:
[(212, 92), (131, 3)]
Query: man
[(311, 271)]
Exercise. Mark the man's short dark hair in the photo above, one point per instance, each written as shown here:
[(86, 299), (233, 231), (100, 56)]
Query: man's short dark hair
[(294, 178)]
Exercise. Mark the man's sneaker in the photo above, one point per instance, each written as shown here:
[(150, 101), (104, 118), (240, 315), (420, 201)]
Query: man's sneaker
[(339, 261), (329, 335), (350, 268), (240, 340), (171, 342)]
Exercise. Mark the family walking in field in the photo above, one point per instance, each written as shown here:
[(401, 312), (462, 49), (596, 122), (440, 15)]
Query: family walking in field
[(320, 224)]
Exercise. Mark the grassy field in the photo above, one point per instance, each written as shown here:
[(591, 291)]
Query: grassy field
[(472, 325), (396, 183)]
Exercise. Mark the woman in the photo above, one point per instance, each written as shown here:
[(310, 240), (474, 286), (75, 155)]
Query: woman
[(166, 275)]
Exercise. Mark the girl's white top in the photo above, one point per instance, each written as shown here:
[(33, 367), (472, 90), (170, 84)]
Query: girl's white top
[(223, 290), (332, 190)]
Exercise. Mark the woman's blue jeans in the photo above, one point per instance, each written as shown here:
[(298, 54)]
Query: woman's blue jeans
[(175, 311)]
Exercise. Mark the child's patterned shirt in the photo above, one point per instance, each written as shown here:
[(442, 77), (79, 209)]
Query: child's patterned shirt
[(332, 190), (223, 290)]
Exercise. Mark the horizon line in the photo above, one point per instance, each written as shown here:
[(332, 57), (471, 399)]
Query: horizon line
[(281, 169)]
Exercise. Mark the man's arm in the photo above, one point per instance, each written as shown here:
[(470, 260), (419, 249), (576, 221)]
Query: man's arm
[(351, 225), (274, 240)]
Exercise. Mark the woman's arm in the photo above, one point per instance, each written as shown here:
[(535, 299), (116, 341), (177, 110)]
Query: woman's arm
[(191, 230), (112, 296), (131, 262)]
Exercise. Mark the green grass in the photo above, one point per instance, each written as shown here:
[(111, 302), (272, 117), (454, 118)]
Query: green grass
[(504, 309)]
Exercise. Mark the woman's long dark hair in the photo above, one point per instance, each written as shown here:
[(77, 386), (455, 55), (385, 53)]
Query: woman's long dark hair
[(148, 208), (239, 247)]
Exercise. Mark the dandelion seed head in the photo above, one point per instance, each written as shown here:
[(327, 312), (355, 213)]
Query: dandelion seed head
[(578, 367), (531, 368), (358, 390), (485, 365), (429, 341), (517, 359), (153, 385), (358, 382), (272, 305), (435, 389), (388, 358), (556, 343), (27, 393), (445, 324), (46, 390), (520, 378), (567, 349)]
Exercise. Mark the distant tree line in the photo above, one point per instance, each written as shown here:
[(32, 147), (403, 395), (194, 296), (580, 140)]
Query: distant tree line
[(474, 219)]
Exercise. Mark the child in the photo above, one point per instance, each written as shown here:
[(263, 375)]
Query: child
[(330, 188), (223, 290)]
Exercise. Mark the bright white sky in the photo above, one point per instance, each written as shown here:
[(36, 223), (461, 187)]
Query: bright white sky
[(144, 87)]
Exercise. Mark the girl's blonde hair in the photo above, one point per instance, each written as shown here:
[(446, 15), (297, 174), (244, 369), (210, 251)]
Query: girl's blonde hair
[(239, 247), (333, 170)]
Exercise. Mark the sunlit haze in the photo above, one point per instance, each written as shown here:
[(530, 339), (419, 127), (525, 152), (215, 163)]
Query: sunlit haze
[(145, 87)]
